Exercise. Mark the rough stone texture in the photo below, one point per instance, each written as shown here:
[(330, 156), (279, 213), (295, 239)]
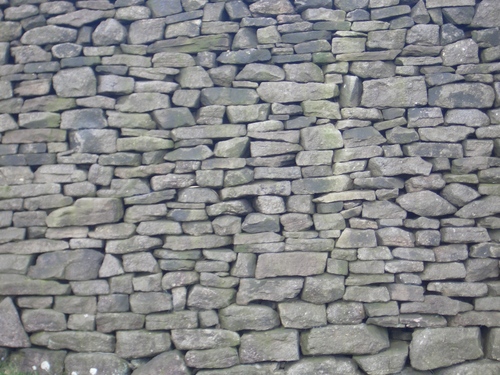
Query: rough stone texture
[(440, 347), (272, 169)]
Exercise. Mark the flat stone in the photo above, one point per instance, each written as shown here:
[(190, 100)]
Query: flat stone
[(87, 211), (277, 289), (462, 95), (202, 297), (252, 317), (86, 362), (397, 92), (49, 35), (432, 348), (25, 359), (286, 92), (141, 343), (13, 284), (395, 166), (290, 264), (363, 339), (274, 345), (199, 339), (329, 365), (484, 207), (172, 360), (482, 366)]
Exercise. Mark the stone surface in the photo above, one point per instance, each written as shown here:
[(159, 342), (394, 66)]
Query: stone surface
[(439, 347), (14, 335), (87, 211), (394, 92)]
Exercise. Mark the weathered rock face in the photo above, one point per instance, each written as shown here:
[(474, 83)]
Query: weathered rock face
[(250, 187)]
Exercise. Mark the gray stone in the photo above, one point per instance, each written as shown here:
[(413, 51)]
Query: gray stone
[(142, 102), (285, 92), (482, 366), (25, 359), (301, 315), (77, 82), (462, 95), (267, 7), (202, 297), (253, 317), (363, 339), (355, 238), (462, 52), (440, 347), (484, 16), (389, 361), (277, 289), (171, 360), (212, 358), (199, 339), (141, 343), (109, 32), (228, 96), (395, 166), (67, 265), (261, 72), (426, 203), (394, 92), (459, 194), (484, 207), (290, 264), (327, 365), (49, 35), (14, 335), (274, 345), (104, 362), (87, 211)]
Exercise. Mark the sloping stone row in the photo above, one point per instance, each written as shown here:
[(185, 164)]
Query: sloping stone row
[(250, 187)]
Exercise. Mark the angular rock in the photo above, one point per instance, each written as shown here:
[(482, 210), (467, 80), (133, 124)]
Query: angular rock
[(137, 344), (172, 361), (13, 333), (440, 347), (212, 358), (396, 166), (389, 361), (49, 35), (485, 14), (426, 203), (484, 207)]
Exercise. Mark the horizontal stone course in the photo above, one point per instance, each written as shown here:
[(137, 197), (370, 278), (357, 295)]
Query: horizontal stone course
[(250, 186)]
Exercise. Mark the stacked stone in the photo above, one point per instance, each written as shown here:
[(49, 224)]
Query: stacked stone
[(250, 187)]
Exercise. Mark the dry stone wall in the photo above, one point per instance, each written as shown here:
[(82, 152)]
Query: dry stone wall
[(250, 187)]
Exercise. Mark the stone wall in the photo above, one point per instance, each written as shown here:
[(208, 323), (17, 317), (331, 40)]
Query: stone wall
[(250, 187)]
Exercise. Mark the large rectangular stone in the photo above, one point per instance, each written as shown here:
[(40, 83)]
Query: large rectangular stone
[(394, 92), (290, 264)]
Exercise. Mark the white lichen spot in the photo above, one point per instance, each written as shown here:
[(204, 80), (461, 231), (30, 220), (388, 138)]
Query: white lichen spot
[(45, 366), (93, 371), (34, 368), (74, 373)]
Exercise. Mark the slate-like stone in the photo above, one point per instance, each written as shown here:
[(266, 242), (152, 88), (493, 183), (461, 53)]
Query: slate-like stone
[(388, 361), (396, 166), (327, 365), (394, 92), (363, 339), (25, 359), (141, 343), (484, 207), (440, 347), (252, 317)]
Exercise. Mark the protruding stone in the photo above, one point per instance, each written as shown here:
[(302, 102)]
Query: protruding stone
[(87, 211)]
